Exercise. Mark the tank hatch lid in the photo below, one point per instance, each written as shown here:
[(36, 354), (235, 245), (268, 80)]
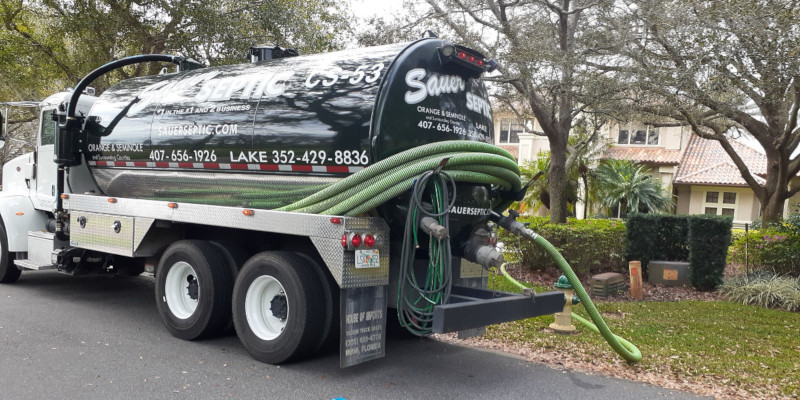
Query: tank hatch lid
[(265, 52)]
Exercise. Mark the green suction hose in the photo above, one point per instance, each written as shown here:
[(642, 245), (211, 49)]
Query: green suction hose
[(471, 162), (623, 347)]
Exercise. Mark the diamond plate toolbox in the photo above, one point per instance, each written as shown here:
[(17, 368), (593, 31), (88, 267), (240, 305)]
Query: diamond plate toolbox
[(107, 233)]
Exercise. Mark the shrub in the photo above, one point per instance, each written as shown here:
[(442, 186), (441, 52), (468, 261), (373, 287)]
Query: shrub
[(672, 238), (657, 237), (641, 229), (588, 245), (764, 290), (709, 238), (772, 249)]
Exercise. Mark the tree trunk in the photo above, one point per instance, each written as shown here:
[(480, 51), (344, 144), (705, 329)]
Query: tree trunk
[(772, 209), (558, 179)]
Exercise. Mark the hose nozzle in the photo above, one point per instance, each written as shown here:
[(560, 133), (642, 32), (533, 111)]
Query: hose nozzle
[(431, 227)]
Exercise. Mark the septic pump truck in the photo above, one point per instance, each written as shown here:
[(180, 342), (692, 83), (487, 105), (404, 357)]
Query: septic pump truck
[(303, 201)]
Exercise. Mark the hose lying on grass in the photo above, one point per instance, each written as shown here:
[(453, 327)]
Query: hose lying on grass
[(623, 347)]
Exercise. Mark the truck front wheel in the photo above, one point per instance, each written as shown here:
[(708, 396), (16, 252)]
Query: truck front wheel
[(193, 290), (278, 307), (8, 271)]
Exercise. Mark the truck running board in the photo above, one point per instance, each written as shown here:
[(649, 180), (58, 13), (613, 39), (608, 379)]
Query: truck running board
[(473, 308), (28, 264)]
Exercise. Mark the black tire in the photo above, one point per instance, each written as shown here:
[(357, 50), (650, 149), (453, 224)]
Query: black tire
[(288, 333), (330, 296), (212, 291), (9, 272), (235, 257)]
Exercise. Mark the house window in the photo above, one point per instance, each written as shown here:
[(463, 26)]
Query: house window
[(510, 130), (720, 203), (639, 136)]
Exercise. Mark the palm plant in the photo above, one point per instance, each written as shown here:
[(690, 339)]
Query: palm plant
[(623, 183), (537, 194)]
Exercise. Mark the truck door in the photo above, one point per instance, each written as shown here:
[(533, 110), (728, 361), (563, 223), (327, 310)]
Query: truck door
[(45, 179)]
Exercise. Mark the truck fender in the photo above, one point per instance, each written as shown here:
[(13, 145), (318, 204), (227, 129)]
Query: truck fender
[(19, 217)]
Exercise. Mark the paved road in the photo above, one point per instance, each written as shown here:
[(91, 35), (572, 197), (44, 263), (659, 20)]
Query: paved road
[(63, 337)]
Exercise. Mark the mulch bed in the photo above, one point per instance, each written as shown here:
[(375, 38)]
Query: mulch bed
[(651, 292)]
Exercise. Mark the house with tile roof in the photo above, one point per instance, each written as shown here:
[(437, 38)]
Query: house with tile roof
[(698, 172)]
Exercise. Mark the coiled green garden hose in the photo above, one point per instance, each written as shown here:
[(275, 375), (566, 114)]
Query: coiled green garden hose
[(623, 347)]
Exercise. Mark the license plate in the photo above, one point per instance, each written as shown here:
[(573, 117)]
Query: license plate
[(368, 259)]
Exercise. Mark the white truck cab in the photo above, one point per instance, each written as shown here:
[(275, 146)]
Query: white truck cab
[(28, 198)]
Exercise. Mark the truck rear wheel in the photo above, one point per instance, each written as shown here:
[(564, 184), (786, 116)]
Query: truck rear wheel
[(8, 271), (330, 298), (193, 290), (278, 307)]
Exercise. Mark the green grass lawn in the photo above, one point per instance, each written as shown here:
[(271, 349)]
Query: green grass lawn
[(717, 341), (727, 343)]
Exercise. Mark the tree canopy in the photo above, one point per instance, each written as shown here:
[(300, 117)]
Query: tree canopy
[(47, 45), (725, 68)]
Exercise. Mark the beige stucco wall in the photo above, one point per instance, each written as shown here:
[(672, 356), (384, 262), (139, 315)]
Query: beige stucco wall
[(791, 205), (529, 144), (671, 137), (684, 196), (746, 203)]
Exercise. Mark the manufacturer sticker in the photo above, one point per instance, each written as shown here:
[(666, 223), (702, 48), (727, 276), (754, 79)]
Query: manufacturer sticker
[(368, 259)]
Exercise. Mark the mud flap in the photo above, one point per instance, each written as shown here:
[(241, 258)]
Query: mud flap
[(363, 325)]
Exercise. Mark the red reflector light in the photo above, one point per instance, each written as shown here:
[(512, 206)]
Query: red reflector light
[(336, 220), (461, 54), (344, 240), (112, 200), (172, 205), (249, 213), (369, 240), (480, 63), (356, 240), (471, 58)]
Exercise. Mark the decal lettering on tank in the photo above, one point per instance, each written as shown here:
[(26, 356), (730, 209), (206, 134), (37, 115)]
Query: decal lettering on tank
[(247, 87), (435, 85)]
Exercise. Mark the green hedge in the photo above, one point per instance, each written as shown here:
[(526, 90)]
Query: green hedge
[(588, 245), (709, 238), (657, 237), (771, 249), (702, 240)]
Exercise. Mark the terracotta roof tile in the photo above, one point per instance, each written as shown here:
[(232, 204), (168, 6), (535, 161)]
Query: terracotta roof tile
[(706, 162), (513, 149), (650, 155)]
